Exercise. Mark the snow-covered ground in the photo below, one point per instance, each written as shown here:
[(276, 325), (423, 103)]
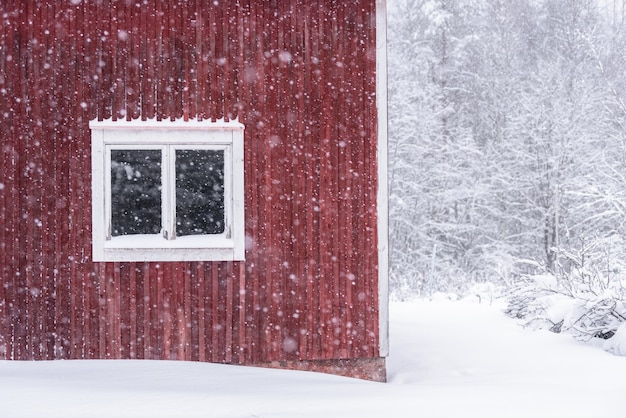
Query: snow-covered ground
[(448, 359)]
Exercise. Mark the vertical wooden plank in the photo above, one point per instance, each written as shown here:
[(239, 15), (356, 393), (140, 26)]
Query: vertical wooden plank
[(272, 334), (101, 310), (175, 67), (70, 144), (12, 82), (212, 78), (56, 203), (124, 45), (161, 338), (12, 288), (333, 197), (139, 334), (313, 251), (156, 319), (185, 74), (189, 310), (124, 296), (268, 112), (27, 174), (179, 290), (200, 62), (292, 154), (94, 14), (300, 174), (117, 57), (86, 112), (107, 317), (63, 94), (358, 68), (372, 218), (226, 63), (280, 140), (168, 75), (165, 312), (108, 334), (151, 318), (7, 184), (32, 177), (242, 346), (208, 306), (134, 91), (181, 75), (262, 291), (192, 311), (231, 51), (16, 192), (215, 319), (366, 205), (158, 58), (229, 312), (325, 200), (19, 326), (82, 177), (202, 323), (168, 311), (91, 313), (342, 207), (364, 290), (353, 174), (103, 69), (248, 81), (131, 308), (40, 217), (148, 26), (171, 62), (115, 301)]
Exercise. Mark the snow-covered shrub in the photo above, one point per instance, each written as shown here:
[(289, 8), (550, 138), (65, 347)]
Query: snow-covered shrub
[(585, 295)]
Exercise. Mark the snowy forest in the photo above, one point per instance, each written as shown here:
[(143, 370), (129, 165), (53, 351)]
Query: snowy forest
[(507, 127)]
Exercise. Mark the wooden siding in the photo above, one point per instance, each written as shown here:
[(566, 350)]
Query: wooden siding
[(299, 74)]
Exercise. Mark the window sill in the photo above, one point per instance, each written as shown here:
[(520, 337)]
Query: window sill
[(166, 254), (144, 248)]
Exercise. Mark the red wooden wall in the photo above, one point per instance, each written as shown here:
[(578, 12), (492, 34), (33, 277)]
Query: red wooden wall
[(299, 74)]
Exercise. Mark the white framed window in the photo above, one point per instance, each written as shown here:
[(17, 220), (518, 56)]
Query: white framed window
[(167, 190)]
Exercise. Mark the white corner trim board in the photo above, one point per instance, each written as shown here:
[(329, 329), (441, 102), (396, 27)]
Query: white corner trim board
[(382, 197)]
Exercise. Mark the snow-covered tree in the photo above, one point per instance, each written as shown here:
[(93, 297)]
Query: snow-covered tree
[(506, 137)]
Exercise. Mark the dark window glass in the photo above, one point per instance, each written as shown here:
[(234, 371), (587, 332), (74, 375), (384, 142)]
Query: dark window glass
[(199, 192), (135, 192)]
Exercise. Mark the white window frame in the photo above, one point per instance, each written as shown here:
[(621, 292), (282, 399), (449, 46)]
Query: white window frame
[(167, 136)]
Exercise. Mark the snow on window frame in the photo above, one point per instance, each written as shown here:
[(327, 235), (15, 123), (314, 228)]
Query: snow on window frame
[(153, 134)]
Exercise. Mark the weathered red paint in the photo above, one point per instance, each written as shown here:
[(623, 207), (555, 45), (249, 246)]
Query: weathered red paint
[(300, 75)]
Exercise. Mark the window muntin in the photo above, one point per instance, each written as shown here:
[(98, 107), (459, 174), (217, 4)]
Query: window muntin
[(167, 194)]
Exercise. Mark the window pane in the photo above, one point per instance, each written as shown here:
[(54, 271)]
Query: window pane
[(135, 192), (199, 192)]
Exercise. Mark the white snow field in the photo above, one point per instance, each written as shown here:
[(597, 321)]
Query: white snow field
[(448, 359)]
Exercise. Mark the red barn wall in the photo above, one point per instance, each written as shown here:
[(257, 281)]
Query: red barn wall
[(300, 75)]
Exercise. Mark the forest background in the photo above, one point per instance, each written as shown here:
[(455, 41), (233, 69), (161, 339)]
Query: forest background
[(507, 127)]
